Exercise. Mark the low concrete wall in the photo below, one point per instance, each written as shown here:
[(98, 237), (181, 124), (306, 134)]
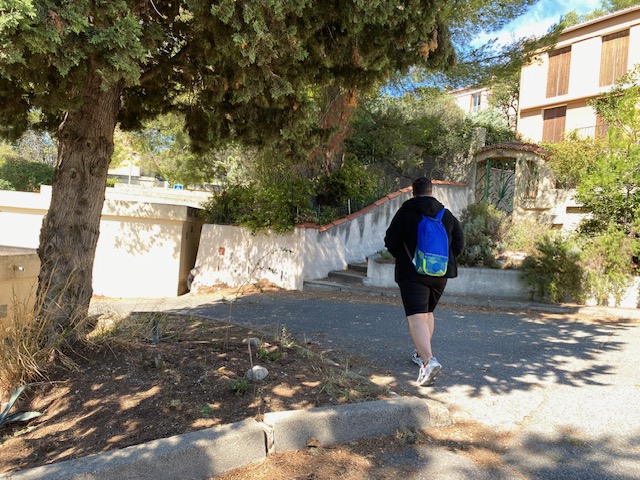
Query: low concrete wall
[(145, 249), (476, 282), (484, 283), (19, 269)]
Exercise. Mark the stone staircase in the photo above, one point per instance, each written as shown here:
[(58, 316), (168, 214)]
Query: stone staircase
[(353, 275), (349, 280)]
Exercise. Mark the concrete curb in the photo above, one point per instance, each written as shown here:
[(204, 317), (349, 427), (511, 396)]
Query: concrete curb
[(205, 453)]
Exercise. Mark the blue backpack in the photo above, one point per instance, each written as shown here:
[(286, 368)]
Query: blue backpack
[(432, 250)]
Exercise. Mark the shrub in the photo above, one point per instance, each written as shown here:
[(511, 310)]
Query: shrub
[(609, 260), (352, 181), (276, 206), (25, 176), (484, 226), (5, 185), (554, 271)]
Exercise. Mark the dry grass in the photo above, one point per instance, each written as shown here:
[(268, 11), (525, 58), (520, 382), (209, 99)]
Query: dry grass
[(30, 342)]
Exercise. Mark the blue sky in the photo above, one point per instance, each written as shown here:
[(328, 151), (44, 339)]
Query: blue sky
[(539, 18)]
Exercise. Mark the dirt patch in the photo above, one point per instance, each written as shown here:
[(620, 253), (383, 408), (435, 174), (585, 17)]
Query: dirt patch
[(130, 389)]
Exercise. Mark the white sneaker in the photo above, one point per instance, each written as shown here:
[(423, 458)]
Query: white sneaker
[(429, 372), (416, 358)]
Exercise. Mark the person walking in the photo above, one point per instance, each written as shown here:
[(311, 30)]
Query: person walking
[(420, 293)]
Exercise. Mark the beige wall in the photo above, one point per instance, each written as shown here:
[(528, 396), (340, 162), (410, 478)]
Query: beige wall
[(18, 279), (586, 43), (464, 97), (145, 249)]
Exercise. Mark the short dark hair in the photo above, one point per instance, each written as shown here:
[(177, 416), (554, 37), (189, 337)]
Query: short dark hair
[(422, 186)]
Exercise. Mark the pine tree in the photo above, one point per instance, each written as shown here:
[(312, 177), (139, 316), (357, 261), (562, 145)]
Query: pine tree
[(88, 65)]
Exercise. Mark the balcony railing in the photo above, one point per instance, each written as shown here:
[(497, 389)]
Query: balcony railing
[(597, 131)]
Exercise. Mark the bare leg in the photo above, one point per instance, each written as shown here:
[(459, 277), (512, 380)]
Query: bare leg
[(421, 326)]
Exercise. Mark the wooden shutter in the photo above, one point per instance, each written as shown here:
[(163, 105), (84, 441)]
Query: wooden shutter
[(614, 57), (553, 124), (558, 76), (622, 55)]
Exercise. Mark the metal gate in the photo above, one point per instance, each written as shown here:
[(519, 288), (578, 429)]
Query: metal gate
[(495, 182)]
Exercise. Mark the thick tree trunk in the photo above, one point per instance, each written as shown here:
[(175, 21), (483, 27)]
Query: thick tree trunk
[(70, 229)]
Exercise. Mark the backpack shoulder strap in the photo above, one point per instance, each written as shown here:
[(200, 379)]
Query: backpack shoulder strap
[(440, 214)]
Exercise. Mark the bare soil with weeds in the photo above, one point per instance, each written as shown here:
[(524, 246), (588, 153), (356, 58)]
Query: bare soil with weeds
[(132, 385)]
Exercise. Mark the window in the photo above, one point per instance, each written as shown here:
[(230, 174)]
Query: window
[(476, 100), (558, 76), (553, 124), (614, 56)]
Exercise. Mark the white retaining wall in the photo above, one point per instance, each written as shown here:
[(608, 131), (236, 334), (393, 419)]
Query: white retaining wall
[(233, 256)]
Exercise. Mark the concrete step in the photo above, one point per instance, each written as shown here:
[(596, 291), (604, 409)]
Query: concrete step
[(346, 276), (358, 267)]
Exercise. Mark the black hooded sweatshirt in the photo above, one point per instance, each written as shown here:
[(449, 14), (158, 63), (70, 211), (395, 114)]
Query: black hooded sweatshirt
[(404, 230)]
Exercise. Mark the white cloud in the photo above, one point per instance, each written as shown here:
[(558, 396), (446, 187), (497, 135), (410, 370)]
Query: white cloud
[(538, 19)]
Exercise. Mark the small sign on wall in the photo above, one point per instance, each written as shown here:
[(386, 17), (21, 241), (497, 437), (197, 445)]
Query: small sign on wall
[(177, 186)]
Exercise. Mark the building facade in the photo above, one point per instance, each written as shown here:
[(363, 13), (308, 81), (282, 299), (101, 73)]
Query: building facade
[(586, 62), (471, 100)]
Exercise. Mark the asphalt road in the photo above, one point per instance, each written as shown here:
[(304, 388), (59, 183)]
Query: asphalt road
[(566, 389)]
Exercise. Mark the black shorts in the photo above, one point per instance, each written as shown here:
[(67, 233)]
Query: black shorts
[(422, 294)]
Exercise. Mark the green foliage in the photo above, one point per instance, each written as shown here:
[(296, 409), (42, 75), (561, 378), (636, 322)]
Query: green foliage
[(554, 272), (607, 6), (272, 356), (523, 236), (573, 158), (6, 185), (163, 148), (484, 227), (608, 186), (228, 66), (36, 147), (5, 418), (25, 176), (409, 136), (207, 411), (385, 255), (606, 174), (610, 260), (505, 93), (277, 200), (498, 130), (240, 385), (352, 181), (275, 206)]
